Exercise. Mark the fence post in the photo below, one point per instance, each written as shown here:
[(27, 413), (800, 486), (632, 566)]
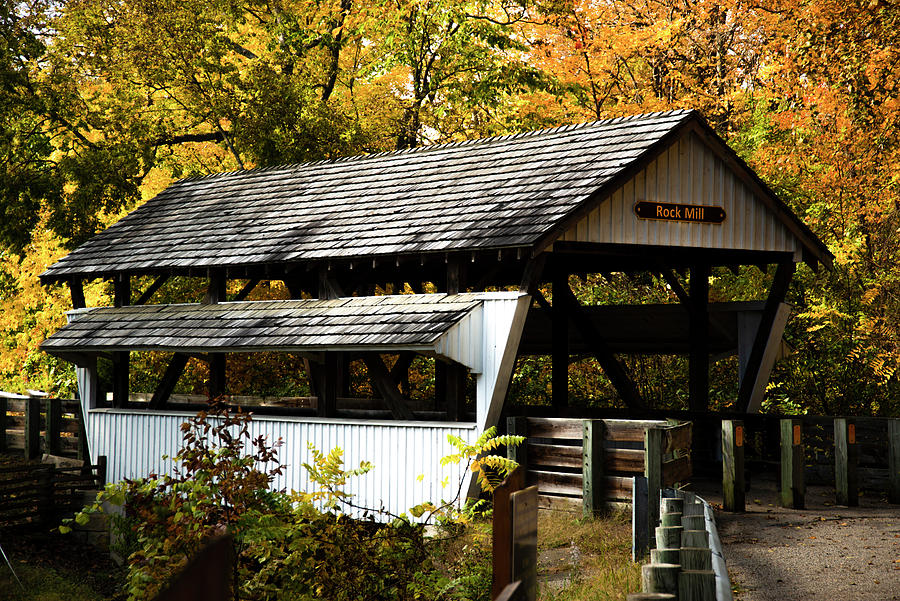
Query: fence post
[(4, 407), (793, 486), (32, 427), (733, 465), (518, 426), (846, 458), (592, 466), (83, 449), (101, 471), (54, 422), (894, 460), (653, 445), (640, 521)]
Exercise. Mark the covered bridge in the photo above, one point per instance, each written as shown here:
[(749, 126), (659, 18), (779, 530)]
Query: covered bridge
[(658, 192)]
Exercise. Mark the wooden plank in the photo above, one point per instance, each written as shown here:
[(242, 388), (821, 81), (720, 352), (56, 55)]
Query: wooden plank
[(678, 438), (554, 454), (733, 465), (893, 434), (558, 428), (524, 511), (511, 592), (676, 471), (846, 463), (555, 482), (556, 503), (640, 535), (592, 467), (624, 460), (151, 289)]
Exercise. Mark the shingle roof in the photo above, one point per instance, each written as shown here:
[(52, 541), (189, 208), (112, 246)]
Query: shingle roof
[(382, 322), (493, 193)]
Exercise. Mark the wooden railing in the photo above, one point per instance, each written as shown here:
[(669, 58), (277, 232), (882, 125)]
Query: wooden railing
[(42, 493), (585, 464), (36, 425)]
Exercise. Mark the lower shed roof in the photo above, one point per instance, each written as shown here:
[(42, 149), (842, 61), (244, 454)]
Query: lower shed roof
[(441, 323)]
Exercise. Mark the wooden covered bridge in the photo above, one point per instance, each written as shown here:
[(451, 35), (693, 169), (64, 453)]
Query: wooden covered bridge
[(659, 192)]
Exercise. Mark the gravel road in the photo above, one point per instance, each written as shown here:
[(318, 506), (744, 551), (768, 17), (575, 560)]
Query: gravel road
[(824, 552)]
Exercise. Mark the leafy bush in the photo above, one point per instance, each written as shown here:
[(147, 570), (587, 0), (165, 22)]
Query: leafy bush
[(300, 546)]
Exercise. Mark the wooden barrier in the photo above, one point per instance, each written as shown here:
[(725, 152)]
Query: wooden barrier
[(589, 465), (894, 460), (36, 425), (40, 493)]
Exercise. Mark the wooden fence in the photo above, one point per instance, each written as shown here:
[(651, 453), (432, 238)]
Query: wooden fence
[(36, 425), (588, 464), (35, 494)]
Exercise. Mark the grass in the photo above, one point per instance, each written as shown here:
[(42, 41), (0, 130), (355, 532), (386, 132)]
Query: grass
[(603, 569), (43, 584)]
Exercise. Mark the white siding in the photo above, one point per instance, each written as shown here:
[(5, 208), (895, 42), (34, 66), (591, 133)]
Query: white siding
[(135, 442), (688, 172)]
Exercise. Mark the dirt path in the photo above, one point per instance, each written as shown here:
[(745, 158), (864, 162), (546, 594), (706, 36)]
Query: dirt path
[(820, 553)]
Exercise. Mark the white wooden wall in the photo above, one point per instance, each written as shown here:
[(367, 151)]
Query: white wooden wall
[(134, 442)]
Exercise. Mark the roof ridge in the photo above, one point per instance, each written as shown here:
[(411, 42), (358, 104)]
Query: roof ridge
[(438, 147)]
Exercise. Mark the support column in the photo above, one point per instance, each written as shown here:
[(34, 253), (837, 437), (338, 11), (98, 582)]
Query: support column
[(121, 359), (699, 338), (215, 293), (328, 386), (559, 370)]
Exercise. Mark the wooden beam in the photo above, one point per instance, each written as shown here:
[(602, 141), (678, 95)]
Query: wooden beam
[(400, 370), (699, 338), (216, 386), (151, 289), (559, 358), (594, 340), (676, 287), (386, 387), (328, 286), (531, 277), (122, 290), (246, 290), (121, 369), (170, 378), (329, 375), (76, 288), (215, 291), (777, 292)]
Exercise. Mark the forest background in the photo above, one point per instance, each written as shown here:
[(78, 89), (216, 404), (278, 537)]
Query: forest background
[(103, 104)]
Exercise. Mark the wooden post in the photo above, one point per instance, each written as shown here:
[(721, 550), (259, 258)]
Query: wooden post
[(733, 465), (32, 428), (653, 445), (4, 407), (694, 538), (668, 537), (697, 585), (665, 556), (518, 426), (894, 460), (695, 558), (699, 338), (101, 471), (660, 578), (640, 534), (83, 448), (45, 496), (53, 424), (455, 391), (793, 485), (846, 459), (121, 359), (650, 597), (592, 467), (501, 533), (217, 366), (559, 368), (524, 511)]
